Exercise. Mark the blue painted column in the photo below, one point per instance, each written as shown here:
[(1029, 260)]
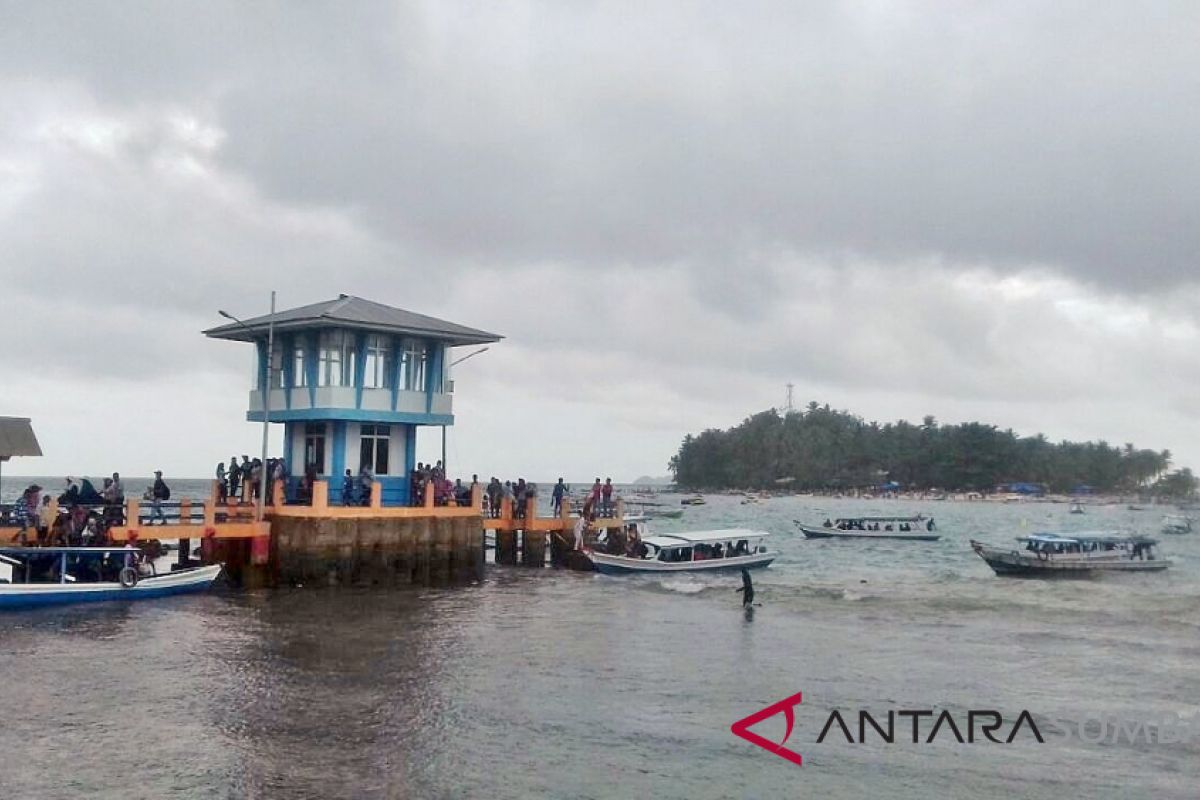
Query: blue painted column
[(360, 367), (289, 377), (338, 459), (410, 460), (311, 366), (263, 361), (433, 367)]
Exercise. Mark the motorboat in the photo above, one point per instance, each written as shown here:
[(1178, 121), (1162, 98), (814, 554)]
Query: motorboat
[(1176, 524), (696, 500), (695, 551), (914, 529), (1076, 508), (1073, 554), (37, 576)]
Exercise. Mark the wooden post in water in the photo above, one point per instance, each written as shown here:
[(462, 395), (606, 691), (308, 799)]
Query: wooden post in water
[(534, 552), (561, 541), (506, 535)]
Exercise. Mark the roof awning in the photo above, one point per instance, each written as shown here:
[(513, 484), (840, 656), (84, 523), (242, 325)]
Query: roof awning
[(17, 438)]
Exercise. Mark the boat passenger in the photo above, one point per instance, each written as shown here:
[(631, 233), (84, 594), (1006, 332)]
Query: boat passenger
[(828, 524), (887, 527)]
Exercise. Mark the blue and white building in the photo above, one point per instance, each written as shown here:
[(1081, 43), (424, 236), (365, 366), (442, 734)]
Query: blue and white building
[(351, 380)]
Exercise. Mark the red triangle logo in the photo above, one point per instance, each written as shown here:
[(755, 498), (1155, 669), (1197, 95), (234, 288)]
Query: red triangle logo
[(741, 728)]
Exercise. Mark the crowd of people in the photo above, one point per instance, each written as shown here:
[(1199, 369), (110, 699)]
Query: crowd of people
[(237, 482), (81, 515)]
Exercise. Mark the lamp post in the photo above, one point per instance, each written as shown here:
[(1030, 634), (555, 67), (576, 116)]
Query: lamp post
[(264, 480), (452, 363)]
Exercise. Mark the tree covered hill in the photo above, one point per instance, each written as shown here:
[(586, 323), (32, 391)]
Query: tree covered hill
[(822, 448)]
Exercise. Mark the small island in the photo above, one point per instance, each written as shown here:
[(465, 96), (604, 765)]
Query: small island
[(824, 449)]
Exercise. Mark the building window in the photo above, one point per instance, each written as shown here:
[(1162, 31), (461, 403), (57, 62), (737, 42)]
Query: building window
[(378, 368), (276, 379), (373, 448), (314, 446), (412, 365), (299, 373), (335, 359)]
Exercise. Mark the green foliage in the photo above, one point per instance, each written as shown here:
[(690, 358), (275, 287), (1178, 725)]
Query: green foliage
[(821, 448)]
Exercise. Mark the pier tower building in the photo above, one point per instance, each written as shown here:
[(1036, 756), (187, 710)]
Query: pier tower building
[(351, 380)]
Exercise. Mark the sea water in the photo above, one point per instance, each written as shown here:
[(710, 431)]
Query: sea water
[(543, 683)]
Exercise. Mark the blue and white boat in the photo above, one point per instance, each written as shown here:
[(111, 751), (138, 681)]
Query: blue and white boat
[(1073, 554), (37, 576), (695, 551)]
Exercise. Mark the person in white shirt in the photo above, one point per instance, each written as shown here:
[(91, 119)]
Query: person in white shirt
[(580, 527)]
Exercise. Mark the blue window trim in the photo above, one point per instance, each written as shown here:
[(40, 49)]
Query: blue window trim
[(353, 415)]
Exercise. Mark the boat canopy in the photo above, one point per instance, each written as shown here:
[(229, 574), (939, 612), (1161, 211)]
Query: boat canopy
[(1081, 537), (703, 537), (917, 518)]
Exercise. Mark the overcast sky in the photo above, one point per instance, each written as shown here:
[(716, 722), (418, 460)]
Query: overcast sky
[(972, 210)]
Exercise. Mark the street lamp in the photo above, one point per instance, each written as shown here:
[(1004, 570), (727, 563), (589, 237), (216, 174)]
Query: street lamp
[(264, 480), (452, 363)]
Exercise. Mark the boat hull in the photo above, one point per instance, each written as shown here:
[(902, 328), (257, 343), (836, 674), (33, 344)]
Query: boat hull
[(32, 595), (834, 533), (622, 565), (1015, 563)]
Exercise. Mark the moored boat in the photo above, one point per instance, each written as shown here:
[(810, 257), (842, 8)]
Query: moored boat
[(1176, 524), (1072, 555), (694, 551), (915, 529), (38, 576), (1076, 508), (697, 500)]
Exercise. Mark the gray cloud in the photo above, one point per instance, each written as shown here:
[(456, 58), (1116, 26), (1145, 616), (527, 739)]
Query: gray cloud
[(959, 208)]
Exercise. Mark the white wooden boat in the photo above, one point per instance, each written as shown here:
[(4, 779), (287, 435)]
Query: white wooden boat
[(1176, 524), (1074, 554), (694, 551), (912, 529), (38, 576)]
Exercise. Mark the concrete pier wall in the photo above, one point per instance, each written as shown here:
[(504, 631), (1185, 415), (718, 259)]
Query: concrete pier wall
[(376, 550)]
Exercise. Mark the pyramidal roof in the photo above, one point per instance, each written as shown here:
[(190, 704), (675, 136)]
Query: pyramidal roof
[(348, 311)]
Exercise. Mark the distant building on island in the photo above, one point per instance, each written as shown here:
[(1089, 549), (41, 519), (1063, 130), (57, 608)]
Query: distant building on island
[(351, 380)]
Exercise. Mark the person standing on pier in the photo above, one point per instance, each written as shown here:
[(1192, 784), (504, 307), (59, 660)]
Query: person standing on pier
[(158, 493), (234, 475), (581, 525), (560, 489), (222, 483), (597, 489), (494, 492), (348, 485)]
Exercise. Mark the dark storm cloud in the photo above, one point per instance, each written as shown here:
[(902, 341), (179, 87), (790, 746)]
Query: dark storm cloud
[(1055, 135)]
